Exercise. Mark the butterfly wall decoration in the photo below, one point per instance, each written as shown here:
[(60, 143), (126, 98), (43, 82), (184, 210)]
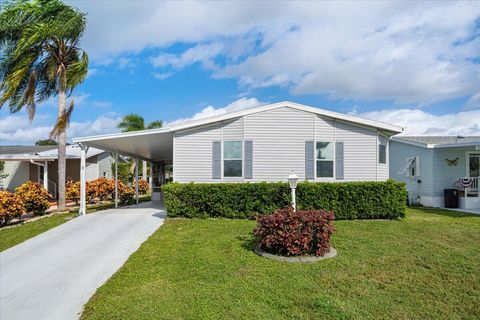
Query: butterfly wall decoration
[(452, 162)]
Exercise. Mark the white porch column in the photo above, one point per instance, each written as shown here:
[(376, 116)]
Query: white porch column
[(144, 170), (136, 179), (116, 179), (151, 177), (83, 187), (45, 175)]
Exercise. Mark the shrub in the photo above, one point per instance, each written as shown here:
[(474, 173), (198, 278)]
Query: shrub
[(143, 186), (34, 197), (349, 200), (295, 233), (126, 195), (102, 188), (72, 192), (11, 206)]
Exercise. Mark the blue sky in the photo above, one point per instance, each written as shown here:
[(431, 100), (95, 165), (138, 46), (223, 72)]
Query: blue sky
[(416, 65)]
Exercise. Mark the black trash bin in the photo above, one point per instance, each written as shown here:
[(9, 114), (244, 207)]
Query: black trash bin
[(451, 198)]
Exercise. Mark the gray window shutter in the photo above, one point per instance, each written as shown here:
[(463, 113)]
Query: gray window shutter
[(216, 160), (339, 160), (248, 159), (309, 160)]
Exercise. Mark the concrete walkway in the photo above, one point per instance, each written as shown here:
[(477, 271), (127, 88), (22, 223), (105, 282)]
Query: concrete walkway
[(52, 275)]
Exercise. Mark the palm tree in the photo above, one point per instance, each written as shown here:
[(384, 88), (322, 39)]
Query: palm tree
[(40, 58), (132, 122)]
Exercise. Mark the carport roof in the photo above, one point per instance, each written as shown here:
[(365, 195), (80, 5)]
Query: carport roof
[(157, 144)]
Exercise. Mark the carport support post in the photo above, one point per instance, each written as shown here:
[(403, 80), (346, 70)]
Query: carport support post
[(136, 179), (45, 175), (83, 197), (116, 179)]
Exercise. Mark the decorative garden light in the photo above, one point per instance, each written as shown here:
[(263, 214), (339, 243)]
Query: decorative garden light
[(292, 181)]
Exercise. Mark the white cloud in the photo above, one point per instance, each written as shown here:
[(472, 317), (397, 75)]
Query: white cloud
[(124, 63), (16, 129), (419, 122), (162, 76), (237, 105), (200, 53), (473, 102), (102, 104), (401, 51)]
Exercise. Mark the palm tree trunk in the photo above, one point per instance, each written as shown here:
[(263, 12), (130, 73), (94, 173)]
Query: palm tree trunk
[(62, 144)]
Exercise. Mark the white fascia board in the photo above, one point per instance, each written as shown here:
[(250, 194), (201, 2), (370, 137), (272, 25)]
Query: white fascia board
[(25, 158), (465, 144), (120, 135)]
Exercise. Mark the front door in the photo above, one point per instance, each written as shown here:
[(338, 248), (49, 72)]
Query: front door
[(473, 168)]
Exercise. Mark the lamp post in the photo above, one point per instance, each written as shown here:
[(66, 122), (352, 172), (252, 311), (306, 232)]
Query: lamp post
[(292, 181)]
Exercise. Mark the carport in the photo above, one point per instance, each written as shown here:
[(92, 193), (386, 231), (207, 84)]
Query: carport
[(154, 146)]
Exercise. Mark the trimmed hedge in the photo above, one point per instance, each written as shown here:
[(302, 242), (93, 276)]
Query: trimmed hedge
[(348, 200)]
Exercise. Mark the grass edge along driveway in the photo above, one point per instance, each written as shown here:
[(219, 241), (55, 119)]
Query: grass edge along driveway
[(423, 267), (15, 234)]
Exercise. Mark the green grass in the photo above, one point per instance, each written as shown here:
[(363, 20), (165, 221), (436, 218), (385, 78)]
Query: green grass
[(16, 234), (424, 267)]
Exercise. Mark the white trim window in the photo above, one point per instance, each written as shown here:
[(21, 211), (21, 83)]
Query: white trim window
[(232, 159), (324, 159), (382, 153)]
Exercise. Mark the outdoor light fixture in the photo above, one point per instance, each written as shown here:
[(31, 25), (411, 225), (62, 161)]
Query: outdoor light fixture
[(292, 181)]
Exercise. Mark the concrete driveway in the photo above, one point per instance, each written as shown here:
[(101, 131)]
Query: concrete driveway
[(52, 275)]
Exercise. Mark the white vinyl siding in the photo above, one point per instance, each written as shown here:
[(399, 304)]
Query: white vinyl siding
[(360, 151), (193, 153), (279, 142), (18, 173), (278, 138), (105, 161)]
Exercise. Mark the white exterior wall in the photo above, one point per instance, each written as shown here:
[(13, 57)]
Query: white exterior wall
[(360, 151), (279, 142), (105, 161), (18, 173), (192, 155), (279, 146)]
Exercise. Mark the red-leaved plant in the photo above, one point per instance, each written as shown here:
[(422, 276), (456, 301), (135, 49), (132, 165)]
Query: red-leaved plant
[(295, 233)]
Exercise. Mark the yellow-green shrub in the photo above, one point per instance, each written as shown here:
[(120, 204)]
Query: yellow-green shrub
[(34, 196), (11, 206)]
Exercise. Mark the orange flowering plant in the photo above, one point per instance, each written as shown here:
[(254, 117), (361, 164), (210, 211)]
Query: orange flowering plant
[(11, 206), (35, 197)]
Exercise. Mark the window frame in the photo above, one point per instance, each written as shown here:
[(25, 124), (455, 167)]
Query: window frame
[(379, 158), (325, 160), (241, 159)]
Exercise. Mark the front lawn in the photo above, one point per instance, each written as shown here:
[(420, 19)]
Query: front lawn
[(424, 267)]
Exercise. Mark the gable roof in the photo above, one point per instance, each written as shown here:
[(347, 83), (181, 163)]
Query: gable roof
[(42, 152), (322, 112), (157, 144), (389, 128), (439, 141), (24, 149)]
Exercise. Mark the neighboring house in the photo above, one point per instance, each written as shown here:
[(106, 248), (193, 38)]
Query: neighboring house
[(430, 164), (265, 143), (24, 163)]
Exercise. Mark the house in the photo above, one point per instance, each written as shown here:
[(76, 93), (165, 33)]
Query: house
[(264, 143), (430, 164), (24, 163)]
